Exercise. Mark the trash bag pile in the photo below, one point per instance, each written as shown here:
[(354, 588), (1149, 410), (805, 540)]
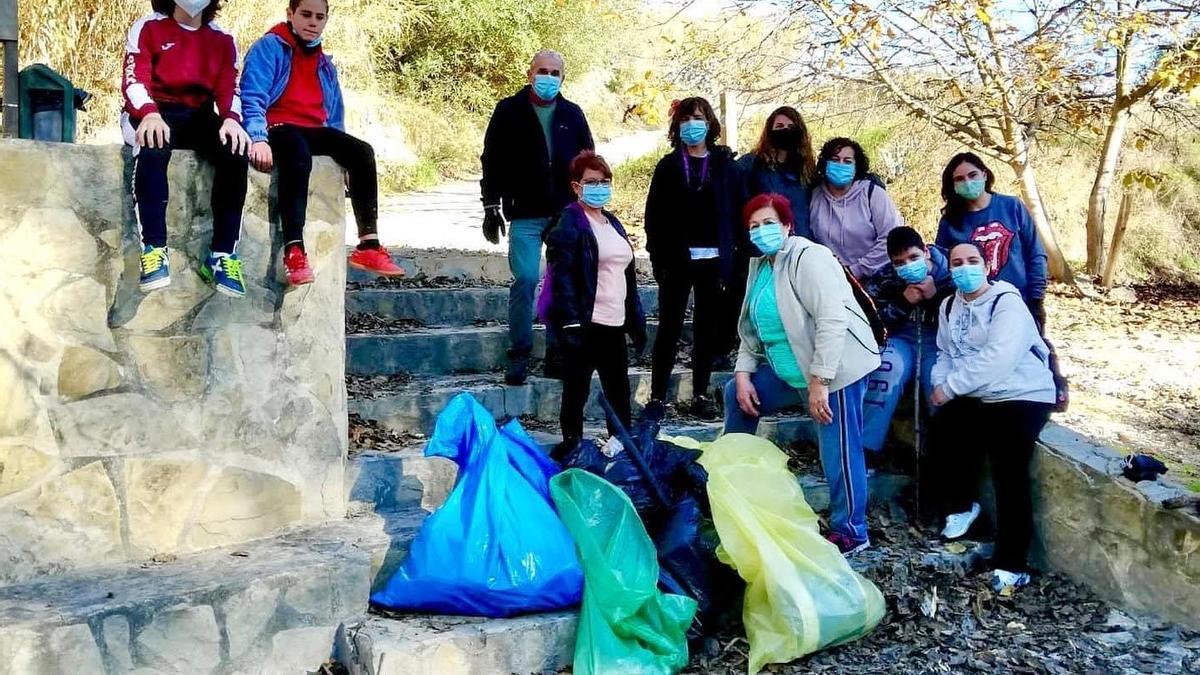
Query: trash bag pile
[(497, 547), (659, 540)]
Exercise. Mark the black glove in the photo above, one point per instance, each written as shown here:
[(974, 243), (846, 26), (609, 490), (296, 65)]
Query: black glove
[(493, 224)]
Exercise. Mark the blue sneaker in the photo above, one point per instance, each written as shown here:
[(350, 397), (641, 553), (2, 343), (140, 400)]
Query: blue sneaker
[(156, 269), (225, 272)]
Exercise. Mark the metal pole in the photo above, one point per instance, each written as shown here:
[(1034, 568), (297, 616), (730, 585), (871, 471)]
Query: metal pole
[(10, 88)]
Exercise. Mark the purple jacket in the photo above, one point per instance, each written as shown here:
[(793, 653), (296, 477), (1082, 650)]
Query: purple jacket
[(855, 226)]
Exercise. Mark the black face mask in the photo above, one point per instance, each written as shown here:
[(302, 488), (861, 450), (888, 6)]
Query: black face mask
[(784, 139)]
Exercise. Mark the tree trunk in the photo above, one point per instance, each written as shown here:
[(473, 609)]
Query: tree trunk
[(1033, 199), (1110, 268), (1110, 155)]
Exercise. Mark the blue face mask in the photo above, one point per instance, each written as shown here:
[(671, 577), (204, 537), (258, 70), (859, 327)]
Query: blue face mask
[(968, 278), (913, 272), (970, 190), (547, 86), (693, 132), (316, 43), (838, 174), (596, 196), (768, 237)]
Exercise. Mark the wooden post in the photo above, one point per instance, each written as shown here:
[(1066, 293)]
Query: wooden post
[(1114, 248), (730, 115)]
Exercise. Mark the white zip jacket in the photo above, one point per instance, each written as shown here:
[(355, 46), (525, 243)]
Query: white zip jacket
[(990, 349)]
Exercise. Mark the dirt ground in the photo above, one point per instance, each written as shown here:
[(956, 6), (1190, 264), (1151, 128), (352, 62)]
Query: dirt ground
[(1133, 360)]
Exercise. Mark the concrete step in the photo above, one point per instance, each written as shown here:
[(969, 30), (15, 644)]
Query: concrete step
[(414, 408), (467, 266), (270, 606), (450, 306), (442, 645), (444, 351)]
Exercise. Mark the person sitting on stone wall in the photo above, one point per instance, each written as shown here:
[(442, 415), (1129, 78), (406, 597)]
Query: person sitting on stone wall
[(907, 294), (180, 91), (993, 391), (294, 111), (595, 303)]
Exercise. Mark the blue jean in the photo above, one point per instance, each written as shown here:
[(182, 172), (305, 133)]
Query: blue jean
[(887, 384), (840, 442), (525, 261)]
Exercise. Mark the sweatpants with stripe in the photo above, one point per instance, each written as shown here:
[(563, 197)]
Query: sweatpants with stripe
[(841, 442), (191, 129)]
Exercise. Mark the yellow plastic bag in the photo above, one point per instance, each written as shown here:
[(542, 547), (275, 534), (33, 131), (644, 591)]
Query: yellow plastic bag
[(801, 595)]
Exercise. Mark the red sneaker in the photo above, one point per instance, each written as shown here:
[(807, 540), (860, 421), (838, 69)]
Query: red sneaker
[(846, 545), (375, 260), (298, 271)]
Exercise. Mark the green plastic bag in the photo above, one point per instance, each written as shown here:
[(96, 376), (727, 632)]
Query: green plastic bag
[(625, 624), (801, 595)]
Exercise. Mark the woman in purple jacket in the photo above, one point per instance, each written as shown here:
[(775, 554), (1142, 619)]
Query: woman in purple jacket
[(850, 212)]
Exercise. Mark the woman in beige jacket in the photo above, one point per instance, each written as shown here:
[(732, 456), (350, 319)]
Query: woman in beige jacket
[(801, 329)]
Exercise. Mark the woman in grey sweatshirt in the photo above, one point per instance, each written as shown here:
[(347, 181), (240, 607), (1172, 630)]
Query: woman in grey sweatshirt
[(850, 212), (993, 392)]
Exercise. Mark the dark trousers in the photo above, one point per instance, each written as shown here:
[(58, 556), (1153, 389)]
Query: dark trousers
[(964, 432), (191, 129), (597, 349), (713, 324), (293, 149)]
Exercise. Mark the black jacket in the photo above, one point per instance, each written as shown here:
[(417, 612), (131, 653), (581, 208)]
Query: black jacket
[(571, 253), (517, 171), (667, 237)]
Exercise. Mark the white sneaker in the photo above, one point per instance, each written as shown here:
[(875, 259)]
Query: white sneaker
[(612, 448), (957, 524), (1002, 579)]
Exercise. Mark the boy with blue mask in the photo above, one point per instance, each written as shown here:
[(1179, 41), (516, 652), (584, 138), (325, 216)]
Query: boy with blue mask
[(907, 293)]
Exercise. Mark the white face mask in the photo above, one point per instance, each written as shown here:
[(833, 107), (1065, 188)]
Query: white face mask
[(192, 7)]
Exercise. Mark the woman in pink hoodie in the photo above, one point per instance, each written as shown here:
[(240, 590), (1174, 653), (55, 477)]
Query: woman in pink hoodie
[(850, 212)]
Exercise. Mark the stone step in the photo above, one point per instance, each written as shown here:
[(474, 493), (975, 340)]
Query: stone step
[(406, 480), (414, 407), (264, 607), (444, 351), (443, 645), (465, 266), (450, 306)]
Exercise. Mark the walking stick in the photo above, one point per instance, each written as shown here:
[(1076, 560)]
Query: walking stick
[(918, 371)]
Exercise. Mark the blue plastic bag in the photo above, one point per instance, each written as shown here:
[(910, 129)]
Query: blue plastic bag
[(497, 547)]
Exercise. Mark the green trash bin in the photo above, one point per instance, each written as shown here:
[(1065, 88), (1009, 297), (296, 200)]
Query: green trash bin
[(47, 105)]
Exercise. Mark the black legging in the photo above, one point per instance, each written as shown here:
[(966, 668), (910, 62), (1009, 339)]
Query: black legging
[(712, 327), (293, 149), (965, 431), (598, 349), (191, 129)]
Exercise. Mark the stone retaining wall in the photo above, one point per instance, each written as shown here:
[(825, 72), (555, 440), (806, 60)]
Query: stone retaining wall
[(133, 425), (1113, 535)]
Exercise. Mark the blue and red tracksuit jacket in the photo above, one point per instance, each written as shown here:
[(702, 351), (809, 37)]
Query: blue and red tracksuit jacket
[(265, 76)]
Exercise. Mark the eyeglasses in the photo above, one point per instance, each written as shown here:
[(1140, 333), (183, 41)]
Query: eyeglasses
[(592, 182)]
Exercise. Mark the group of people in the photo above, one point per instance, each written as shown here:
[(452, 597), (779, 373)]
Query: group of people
[(802, 262), (183, 89), (797, 260)]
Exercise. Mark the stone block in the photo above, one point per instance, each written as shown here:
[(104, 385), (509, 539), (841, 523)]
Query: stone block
[(247, 615), (85, 371), (117, 640), (173, 369), (244, 505), (48, 239), (78, 311), (70, 521), (21, 467), (299, 650), (181, 640), (159, 310), (74, 649), (118, 424), (159, 496), (18, 407)]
